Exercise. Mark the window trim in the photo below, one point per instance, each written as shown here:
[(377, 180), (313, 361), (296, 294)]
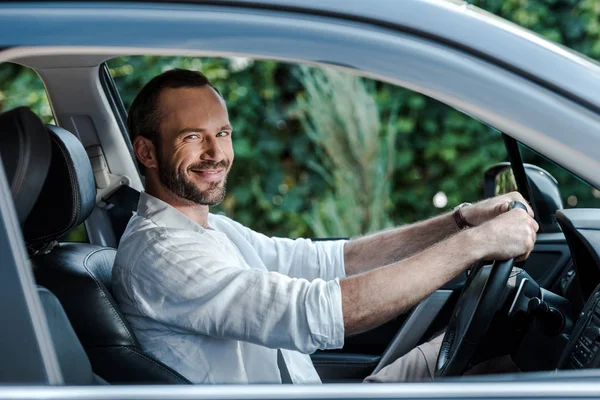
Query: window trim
[(117, 107), (516, 163)]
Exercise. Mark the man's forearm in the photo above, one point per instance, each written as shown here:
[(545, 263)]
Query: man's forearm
[(392, 245), (374, 297)]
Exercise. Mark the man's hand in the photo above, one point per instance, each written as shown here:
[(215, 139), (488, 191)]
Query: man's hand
[(479, 213), (375, 296), (509, 235)]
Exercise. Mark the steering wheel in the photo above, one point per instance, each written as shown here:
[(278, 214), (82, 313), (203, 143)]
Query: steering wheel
[(473, 315)]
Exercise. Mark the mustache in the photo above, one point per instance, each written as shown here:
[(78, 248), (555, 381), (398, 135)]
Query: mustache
[(210, 165)]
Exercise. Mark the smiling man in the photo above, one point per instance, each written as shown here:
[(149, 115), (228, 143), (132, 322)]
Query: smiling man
[(221, 303)]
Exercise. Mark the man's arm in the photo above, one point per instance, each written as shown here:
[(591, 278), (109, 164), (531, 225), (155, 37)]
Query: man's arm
[(374, 297), (390, 246), (297, 258), (203, 289)]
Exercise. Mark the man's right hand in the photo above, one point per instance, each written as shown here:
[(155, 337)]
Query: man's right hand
[(376, 296), (509, 235)]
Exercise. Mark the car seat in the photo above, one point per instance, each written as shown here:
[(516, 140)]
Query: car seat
[(26, 153), (80, 274)]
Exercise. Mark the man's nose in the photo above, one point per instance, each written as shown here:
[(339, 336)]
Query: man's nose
[(212, 150)]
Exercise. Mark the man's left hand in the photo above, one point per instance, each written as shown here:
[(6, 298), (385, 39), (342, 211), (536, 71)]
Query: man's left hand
[(478, 213)]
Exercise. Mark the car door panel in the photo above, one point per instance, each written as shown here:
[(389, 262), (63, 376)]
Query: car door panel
[(385, 343)]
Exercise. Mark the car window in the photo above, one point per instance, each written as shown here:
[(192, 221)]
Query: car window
[(575, 192), (22, 86), (324, 153)]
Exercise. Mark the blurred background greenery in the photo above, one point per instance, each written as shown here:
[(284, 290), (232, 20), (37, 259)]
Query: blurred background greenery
[(325, 153)]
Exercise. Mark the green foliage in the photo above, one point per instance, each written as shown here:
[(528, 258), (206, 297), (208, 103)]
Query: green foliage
[(357, 154), (323, 153), (21, 86)]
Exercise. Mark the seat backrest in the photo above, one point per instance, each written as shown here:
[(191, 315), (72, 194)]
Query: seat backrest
[(80, 274), (25, 149)]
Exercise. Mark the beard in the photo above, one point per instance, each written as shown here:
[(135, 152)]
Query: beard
[(179, 185)]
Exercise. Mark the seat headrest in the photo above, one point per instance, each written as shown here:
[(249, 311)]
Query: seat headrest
[(69, 192), (25, 151)]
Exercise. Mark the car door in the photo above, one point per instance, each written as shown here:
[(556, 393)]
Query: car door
[(26, 349), (456, 74)]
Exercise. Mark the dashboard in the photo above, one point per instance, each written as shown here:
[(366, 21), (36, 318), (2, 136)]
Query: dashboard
[(582, 232)]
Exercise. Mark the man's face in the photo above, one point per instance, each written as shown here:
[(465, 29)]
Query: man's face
[(195, 150)]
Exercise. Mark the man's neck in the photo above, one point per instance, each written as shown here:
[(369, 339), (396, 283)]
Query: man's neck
[(195, 212)]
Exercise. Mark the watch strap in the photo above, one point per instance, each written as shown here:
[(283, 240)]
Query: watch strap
[(459, 218)]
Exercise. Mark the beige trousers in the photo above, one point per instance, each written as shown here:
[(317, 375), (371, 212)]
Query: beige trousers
[(419, 365)]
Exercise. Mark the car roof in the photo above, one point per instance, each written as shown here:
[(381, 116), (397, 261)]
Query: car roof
[(463, 26), (452, 22)]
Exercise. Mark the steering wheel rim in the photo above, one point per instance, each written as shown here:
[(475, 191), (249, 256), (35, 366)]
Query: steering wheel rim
[(473, 315)]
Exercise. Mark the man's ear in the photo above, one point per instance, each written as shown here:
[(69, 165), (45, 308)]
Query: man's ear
[(145, 151)]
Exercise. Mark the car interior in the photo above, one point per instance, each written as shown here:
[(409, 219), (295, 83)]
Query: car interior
[(545, 313)]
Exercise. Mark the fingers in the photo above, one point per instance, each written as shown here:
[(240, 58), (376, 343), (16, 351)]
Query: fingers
[(516, 196), (530, 239), (534, 225), (530, 220), (503, 207), (524, 256), (515, 233)]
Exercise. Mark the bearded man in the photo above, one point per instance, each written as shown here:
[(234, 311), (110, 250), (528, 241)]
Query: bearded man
[(220, 303)]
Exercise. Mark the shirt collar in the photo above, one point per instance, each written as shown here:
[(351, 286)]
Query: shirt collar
[(164, 215)]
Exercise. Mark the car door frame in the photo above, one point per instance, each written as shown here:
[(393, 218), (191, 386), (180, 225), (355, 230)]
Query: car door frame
[(25, 344), (438, 87)]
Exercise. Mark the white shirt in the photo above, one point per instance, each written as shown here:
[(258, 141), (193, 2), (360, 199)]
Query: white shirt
[(215, 304)]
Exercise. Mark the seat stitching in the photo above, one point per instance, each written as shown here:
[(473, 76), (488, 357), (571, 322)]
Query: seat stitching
[(116, 314)]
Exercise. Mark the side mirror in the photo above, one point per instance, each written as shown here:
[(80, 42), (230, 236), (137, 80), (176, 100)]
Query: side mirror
[(499, 179)]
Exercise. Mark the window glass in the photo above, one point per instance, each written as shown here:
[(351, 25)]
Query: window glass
[(575, 192), (324, 153), (21, 86)]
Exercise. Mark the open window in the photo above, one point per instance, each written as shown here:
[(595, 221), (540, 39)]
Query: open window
[(324, 153)]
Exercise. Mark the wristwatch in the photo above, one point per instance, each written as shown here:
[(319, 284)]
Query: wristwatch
[(459, 218)]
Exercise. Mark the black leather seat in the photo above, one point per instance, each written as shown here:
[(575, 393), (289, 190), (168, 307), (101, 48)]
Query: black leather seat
[(72, 359), (26, 153), (25, 150), (79, 274)]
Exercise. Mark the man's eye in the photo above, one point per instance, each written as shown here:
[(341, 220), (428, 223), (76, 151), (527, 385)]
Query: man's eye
[(222, 134), (194, 136)]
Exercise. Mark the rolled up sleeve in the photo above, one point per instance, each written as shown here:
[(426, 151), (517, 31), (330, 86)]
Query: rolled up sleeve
[(301, 258), (198, 290)]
